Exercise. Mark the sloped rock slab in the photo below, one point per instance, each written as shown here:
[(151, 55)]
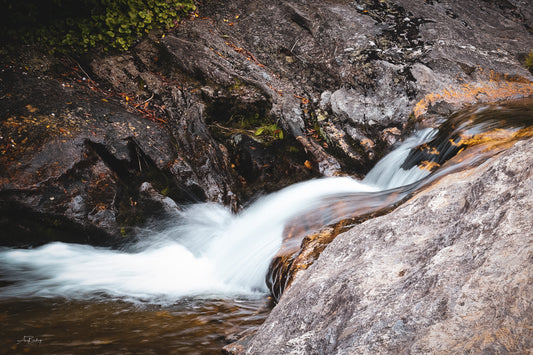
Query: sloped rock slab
[(450, 271)]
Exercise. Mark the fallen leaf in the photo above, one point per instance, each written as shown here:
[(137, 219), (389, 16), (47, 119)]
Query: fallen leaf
[(30, 108)]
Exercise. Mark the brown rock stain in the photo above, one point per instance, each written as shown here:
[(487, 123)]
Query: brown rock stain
[(498, 87), (504, 336)]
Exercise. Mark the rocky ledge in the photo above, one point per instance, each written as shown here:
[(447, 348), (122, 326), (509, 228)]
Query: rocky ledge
[(244, 97), (448, 271)]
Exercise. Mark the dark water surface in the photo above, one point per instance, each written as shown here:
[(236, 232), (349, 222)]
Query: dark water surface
[(57, 326)]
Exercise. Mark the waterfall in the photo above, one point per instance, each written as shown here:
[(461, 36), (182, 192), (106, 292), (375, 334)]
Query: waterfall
[(209, 252), (388, 174)]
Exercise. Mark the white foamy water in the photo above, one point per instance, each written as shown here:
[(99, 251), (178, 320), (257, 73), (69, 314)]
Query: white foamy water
[(387, 173), (210, 252)]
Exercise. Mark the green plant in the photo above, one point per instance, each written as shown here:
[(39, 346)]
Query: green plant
[(529, 62), (271, 130), (77, 25)]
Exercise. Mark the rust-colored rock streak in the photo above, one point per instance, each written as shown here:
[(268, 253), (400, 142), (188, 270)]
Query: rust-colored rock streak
[(488, 91)]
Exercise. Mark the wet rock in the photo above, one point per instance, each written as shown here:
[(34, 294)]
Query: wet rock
[(283, 268), (169, 205), (447, 271), (204, 109), (158, 92), (305, 237)]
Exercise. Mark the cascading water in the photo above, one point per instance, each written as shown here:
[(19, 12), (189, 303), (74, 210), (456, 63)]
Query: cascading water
[(209, 252), (388, 172), (205, 274)]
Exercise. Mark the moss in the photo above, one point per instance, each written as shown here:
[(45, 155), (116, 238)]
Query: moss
[(270, 130), (529, 62), (76, 26), (237, 87), (231, 115)]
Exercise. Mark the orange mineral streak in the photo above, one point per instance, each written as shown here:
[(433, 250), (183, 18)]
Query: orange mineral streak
[(497, 138), (488, 91), (428, 165)]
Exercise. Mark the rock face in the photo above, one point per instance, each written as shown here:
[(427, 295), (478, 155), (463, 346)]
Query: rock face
[(449, 271), (246, 97), (342, 78), (354, 71), (75, 159)]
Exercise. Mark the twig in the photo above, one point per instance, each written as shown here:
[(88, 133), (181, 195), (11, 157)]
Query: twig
[(294, 45), (233, 129), (81, 68), (145, 101)]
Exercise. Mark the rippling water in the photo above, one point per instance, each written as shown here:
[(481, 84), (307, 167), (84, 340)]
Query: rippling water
[(189, 326), (187, 288)]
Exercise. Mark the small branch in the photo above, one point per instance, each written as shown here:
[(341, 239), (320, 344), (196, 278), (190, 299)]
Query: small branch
[(294, 45), (228, 129), (81, 68), (145, 101)]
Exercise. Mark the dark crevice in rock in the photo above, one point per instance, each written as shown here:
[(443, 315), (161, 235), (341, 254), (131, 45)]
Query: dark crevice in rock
[(120, 167), (299, 17), (234, 111), (24, 227), (140, 168)]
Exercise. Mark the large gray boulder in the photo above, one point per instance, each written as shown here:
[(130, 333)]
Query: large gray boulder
[(450, 271)]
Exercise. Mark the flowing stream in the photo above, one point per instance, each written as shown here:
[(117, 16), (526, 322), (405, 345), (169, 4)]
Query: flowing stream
[(189, 287)]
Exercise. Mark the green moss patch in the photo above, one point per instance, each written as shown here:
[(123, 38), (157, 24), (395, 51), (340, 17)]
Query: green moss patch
[(78, 25), (529, 62)]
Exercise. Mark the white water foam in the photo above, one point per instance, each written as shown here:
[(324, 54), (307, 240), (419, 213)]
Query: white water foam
[(388, 174), (210, 252)]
